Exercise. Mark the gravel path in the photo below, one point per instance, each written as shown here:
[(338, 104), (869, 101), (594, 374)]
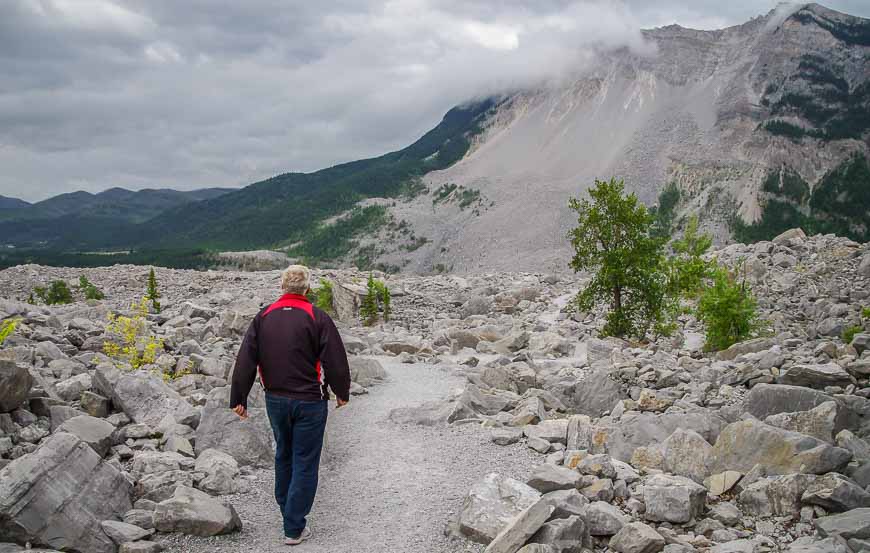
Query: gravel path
[(384, 487)]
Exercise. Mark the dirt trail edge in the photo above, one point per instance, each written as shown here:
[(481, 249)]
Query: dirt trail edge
[(384, 487)]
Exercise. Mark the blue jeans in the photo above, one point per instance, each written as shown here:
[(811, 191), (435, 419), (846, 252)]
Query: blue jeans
[(298, 427)]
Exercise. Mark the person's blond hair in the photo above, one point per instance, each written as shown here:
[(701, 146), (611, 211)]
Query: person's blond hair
[(296, 279)]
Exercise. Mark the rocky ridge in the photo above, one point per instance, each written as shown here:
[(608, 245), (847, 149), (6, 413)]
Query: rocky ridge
[(643, 447)]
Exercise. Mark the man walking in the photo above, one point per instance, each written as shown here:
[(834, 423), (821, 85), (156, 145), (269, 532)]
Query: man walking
[(299, 354)]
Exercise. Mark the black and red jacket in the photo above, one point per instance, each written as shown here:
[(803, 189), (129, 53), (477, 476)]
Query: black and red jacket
[(297, 350)]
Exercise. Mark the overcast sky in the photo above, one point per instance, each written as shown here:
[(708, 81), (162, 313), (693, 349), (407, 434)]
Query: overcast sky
[(195, 93)]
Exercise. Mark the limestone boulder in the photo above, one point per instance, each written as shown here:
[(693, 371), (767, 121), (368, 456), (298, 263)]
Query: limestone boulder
[(248, 441), (744, 444), (492, 504), (15, 384), (196, 513), (59, 495)]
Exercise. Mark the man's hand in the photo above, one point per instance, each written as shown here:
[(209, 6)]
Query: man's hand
[(240, 411), (340, 403)]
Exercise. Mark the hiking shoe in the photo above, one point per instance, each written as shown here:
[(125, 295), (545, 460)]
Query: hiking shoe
[(306, 534)]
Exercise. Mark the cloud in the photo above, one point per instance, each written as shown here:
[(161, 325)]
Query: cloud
[(153, 93)]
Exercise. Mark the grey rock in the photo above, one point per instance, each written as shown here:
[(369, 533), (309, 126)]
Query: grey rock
[(775, 496), (604, 519), (155, 462), (15, 384), (95, 405), (764, 400), (536, 548), (34, 507), (755, 345), (726, 513), (221, 471), (596, 394), (836, 492), (637, 537), (520, 529), (95, 432), (819, 422), (144, 397), (554, 430), (817, 376), (491, 504), (140, 517), (141, 547), (810, 545), (599, 465), (860, 448), (673, 499), (567, 503), (687, 453), (477, 305), (248, 441), (506, 435), (193, 512), (743, 445), (851, 524), (71, 389), (162, 485), (366, 371), (564, 535), (121, 532), (530, 411), (59, 414), (547, 478), (621, 438), (579, 433), (600, 489)]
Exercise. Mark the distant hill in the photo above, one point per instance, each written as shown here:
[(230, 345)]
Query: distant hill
[(131, 206), (280, 210), (12, 203)]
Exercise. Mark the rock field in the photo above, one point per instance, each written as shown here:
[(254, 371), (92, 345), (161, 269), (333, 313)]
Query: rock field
[(487, 416)]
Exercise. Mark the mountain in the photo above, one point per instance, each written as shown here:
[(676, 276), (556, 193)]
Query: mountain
[(83, 219), (755, 128), (283, 209), (135, 206), (760, 127), (11, 203)]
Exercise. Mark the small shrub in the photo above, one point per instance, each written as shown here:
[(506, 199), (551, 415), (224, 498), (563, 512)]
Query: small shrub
[(172, 375), (850, 332), (687, 268), (152, 294), (324, 297), (90, 291), (865, 312), (133, 344), (7, 327), (57, 293), (728, 310)]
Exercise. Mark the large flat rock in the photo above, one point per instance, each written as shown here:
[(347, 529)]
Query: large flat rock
[(58, 495)]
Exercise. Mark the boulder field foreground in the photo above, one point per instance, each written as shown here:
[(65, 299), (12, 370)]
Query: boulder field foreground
[(487, 416)]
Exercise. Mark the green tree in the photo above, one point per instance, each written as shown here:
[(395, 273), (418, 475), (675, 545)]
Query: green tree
[(324, 296), (88, 288), (152, 294), (687, 268), (613, 241), (385, 302), (58, 292), (369, 308), (728, 310)]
